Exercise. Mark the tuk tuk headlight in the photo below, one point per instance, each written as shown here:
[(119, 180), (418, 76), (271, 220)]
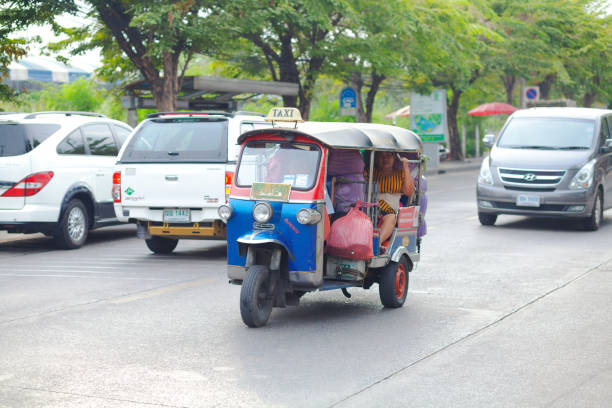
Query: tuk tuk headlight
[(308, 216), (584, 178), (225, 212), (262, 212), (485, 176)]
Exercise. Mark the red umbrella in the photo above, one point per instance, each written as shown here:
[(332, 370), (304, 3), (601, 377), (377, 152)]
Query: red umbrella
[(493, 108)]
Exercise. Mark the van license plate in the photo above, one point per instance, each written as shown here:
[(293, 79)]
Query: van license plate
[(527, 201), (177, 215)]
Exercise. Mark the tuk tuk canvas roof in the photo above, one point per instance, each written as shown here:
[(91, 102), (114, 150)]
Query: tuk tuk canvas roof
[(342, 135)]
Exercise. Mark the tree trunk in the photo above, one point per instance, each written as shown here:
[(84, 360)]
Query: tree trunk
[(509, 85), (589, 99), (374, 87), (546, 85), (357, 85), (453, 130)]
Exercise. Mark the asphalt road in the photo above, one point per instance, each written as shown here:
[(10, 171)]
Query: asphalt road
[(516, 315)]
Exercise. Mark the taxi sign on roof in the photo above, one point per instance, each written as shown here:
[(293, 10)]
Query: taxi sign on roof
[(284, 115)]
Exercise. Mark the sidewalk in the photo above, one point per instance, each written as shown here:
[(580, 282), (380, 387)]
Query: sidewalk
[(449, 166)]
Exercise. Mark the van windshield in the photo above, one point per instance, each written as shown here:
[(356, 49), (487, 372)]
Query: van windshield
[(279, 162), (17, 138), (178, 140), (548, 134)]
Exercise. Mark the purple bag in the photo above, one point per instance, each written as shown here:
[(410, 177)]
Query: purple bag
[(423, 207), (342, 162), (422, 228), (348, 190)]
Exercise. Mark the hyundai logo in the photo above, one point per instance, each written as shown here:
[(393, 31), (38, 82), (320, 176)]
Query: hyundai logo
[(529, 177)]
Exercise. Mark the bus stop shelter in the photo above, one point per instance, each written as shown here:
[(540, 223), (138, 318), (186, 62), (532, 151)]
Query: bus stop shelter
[(200, 93)]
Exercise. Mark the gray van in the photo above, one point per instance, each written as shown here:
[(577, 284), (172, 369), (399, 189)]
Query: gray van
[(549, 162)]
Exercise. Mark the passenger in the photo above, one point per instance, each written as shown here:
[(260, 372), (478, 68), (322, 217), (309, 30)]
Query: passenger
[(392, 185)]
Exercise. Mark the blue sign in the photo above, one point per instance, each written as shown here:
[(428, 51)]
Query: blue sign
[(348, 102), (532, 94), (348, 98)]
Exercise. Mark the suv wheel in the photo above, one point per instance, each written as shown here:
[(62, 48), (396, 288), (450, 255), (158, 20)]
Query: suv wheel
[(487, 219), (73, 227), (161, 245), (593, 222)]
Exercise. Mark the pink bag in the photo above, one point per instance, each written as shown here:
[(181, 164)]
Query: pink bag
[(351, 236)]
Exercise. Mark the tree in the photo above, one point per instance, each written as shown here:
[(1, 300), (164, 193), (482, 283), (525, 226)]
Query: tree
[(295, 38), (371, 49), (10, 50), (156, 39), (452, 59)]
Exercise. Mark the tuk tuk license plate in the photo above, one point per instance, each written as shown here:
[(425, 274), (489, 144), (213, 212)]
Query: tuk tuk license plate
[(527, 201), (177, 215), (270, 191)]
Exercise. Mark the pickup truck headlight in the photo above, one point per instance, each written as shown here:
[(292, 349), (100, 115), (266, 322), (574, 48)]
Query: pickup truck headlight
[(584, 178), (485, 176)]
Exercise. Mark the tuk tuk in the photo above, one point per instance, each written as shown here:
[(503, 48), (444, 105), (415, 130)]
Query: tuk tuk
[(277, 217)]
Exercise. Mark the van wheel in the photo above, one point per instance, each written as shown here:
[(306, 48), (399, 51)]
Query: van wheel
[(255, 301), (393, 284), (160, 245), (73, 227), (487, 219), (593, 222)]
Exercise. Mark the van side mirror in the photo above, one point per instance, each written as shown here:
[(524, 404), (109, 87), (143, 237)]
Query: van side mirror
[(607, 146), (488, 140)]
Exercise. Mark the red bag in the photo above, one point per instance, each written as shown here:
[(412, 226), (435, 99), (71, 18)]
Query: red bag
[(351, 236)]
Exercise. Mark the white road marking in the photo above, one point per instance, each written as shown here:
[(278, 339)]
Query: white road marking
[(158, 292), (80, 277)]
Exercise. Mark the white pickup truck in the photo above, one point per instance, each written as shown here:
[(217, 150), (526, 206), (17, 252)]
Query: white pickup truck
[(173, 173)]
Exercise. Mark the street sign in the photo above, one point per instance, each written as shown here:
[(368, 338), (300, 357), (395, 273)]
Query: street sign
[(532, 93), (348, 102)]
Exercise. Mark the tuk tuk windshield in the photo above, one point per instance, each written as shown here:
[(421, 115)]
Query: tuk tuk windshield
[(279, 162)]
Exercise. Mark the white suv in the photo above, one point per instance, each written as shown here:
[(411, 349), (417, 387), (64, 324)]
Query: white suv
[(56, 173), (175, 171)]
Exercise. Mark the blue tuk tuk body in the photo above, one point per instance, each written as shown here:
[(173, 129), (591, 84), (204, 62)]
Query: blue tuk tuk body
[(276, 217)]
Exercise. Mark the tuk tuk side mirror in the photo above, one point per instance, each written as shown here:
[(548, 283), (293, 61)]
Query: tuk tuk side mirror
[(488, 140)]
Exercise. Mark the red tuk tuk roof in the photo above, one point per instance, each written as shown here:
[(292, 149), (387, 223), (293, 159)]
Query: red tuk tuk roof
[(343, 135)]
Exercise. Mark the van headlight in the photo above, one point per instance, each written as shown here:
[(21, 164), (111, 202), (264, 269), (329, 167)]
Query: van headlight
[(225, 212), (262, 212), (485, 176), (584, 178), (308, 216)]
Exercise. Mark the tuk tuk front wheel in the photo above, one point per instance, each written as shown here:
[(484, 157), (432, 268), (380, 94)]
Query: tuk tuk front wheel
[(255, 301), (393, 284)]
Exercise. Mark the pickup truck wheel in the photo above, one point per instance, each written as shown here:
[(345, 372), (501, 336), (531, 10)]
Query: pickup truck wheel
[(73, 227), (255, 301), (160, 245), (593, 222), (487, 219), (393, 284)]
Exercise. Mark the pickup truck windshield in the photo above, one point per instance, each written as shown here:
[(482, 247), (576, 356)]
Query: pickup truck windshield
[(17, 139), (186, 140), (279, 162), (548, 134)]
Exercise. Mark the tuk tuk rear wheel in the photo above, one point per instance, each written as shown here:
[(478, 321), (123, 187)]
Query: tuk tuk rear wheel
[(393, 284), (255, 301)]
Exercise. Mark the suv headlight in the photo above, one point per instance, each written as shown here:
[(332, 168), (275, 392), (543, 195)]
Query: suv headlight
[(485, 176), (584, 178), (262, 212)]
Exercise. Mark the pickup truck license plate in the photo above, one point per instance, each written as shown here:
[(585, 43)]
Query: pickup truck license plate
[(177, 215), (527, 201)]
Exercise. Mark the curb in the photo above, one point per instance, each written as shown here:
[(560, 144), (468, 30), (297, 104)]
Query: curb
[(453, 167)]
